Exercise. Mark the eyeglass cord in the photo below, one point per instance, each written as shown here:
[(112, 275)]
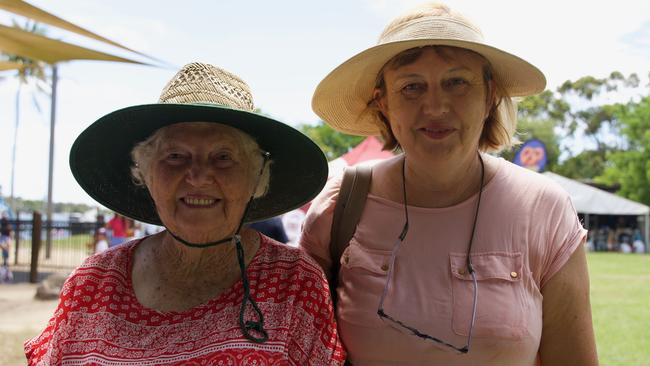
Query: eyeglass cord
[(246, 326), (405, 229), (470, 268)]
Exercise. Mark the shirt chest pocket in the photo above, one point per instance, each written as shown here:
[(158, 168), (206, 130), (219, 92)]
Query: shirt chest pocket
[(500, 308), (361, 281)]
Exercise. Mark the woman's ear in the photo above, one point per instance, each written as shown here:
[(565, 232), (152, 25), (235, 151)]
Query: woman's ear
[(379, 100), (491, 98)]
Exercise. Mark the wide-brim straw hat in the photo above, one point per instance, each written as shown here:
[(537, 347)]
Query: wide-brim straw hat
[(100, 158), (341, 98)]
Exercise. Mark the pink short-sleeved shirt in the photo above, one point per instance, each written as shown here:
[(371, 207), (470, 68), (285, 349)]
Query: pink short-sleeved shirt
[(526, 231)]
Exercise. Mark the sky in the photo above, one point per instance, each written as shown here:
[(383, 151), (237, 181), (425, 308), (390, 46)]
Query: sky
[(282, 49)]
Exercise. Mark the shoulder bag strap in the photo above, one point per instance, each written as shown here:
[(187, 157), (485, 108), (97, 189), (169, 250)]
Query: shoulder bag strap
[(347, 212)]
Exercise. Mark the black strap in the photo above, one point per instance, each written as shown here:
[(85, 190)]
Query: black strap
[(347, 212)]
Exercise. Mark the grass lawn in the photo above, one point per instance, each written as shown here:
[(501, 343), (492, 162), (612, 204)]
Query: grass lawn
[(78, 242), (620, 301)]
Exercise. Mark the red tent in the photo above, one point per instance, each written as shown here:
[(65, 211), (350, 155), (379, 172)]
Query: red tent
[(369, 150)]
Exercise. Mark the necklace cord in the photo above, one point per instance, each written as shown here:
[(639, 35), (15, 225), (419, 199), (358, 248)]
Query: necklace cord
[(470, 268), (405, 229)]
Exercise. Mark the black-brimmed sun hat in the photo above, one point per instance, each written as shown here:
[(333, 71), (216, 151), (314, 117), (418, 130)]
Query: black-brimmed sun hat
[(100, 158)]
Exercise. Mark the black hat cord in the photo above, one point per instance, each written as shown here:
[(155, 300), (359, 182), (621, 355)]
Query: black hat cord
[(246, 326)]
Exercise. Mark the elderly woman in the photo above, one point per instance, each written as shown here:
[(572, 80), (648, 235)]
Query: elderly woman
[(459, 257), (206, 291)]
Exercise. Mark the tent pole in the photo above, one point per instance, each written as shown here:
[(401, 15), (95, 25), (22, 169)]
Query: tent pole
[(48, 232), (647, 230)]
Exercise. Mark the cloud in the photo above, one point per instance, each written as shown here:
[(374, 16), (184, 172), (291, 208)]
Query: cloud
[(638, 42)]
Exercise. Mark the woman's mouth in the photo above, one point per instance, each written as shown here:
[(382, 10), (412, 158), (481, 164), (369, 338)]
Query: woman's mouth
[(195, 202), (437, 133)]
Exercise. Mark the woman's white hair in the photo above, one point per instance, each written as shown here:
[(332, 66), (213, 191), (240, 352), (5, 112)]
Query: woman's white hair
[(144, 151)]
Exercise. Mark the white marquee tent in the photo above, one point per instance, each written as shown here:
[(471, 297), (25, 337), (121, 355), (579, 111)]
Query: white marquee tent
[(593, 201)]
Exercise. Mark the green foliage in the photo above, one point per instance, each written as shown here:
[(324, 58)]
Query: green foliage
[(543, 106), (631, 168), (586, 165), (31, 69), (595, 120), (38, 205), (574, 114), (332, 142), (588, 86)]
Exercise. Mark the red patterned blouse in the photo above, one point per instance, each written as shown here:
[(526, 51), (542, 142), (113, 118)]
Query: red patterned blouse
[(99, 321)]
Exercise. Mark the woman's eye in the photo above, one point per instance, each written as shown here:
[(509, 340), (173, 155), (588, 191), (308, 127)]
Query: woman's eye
[(175, 157), (413, 90), (223, 156), (456, 84), (223, 159)]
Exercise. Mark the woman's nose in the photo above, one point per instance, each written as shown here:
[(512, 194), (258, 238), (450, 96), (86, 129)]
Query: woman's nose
[(436, 102), (200, 173)]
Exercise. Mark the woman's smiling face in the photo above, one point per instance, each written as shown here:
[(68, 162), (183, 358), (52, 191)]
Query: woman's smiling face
[(201, 178), (436, 105)]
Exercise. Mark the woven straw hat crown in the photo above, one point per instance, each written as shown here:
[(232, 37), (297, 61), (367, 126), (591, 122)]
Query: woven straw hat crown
[(440, 22), (207, 84)]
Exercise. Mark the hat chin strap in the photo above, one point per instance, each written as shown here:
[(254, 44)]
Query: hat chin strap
[(195, 245), (246, 326)]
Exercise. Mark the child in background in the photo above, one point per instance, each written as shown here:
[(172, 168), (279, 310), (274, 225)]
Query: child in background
[(101, 243)]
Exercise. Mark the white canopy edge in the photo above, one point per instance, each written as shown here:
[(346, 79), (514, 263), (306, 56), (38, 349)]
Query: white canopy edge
[(590, 200)]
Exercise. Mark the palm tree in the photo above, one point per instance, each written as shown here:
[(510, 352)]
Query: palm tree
[(29, 71)]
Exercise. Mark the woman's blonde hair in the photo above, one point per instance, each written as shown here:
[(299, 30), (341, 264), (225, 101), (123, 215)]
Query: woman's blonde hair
[(143, 153)]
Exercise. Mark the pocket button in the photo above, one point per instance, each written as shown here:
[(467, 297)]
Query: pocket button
[(514, 274), (461, 271), (384, 267)]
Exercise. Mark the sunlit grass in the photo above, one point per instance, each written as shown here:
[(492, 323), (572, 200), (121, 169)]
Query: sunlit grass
[(620, 300)]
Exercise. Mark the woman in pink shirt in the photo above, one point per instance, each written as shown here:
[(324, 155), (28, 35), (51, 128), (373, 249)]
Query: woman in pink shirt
[(459, 257)]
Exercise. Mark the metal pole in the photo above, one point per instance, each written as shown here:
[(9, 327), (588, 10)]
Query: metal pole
[(12, 202), (647, 231), (48, 226)]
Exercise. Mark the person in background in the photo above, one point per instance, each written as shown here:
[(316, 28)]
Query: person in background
[(101, 241), (292, 222), (117, 227), (273, 228), (5, 238), (459, 257), (637, 244)]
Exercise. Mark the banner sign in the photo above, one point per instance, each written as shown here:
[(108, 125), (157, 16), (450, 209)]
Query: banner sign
[(532, 155)]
